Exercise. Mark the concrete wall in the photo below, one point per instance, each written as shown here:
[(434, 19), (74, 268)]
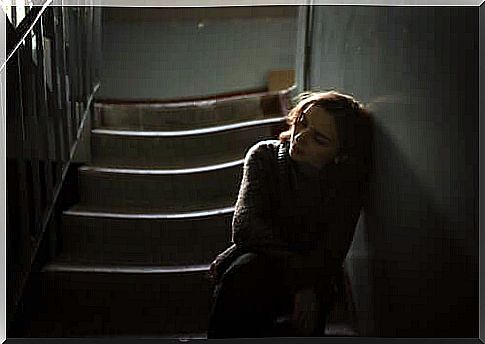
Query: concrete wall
[(414, 265), (170, 53)]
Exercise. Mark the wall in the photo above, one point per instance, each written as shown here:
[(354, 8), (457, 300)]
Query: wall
[(179, 52), (414, 265)]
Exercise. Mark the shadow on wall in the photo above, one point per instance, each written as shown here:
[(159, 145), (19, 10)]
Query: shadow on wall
[(417, 70), (425, 281)]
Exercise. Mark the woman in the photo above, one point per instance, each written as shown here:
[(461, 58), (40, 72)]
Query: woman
[(294, 220)]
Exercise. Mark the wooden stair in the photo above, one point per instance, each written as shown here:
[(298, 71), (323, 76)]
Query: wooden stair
[(156, 207)]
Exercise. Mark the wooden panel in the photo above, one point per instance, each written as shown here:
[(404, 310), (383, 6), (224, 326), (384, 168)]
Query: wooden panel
[(281, 79)]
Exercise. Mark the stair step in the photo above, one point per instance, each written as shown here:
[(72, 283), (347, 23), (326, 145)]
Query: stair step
[(180, 336), (85, 300), (160, 190), (144, 239), (79, 300), (72, 267), (340, 330), (187, 115), (130, 213), (331, 330), (180, 149)]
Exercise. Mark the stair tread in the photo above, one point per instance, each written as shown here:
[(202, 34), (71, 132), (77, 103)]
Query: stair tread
[(99, 168), (134, 213), (60, 266), (178, 152), (340, 329), (190, 132), (205, 208), (192, 103)]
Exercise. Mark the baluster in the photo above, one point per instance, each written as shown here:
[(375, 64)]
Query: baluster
[(79, 65), (27, 139), (89, 50), (97, 48), (52, 110), (68, 75), (51, 78), (62, 70), (44, 141), (17, 192)]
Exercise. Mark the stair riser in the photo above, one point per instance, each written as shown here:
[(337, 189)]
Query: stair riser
[(156, 117), (165, 193), (144, 242), (177, 152), (87, 304)]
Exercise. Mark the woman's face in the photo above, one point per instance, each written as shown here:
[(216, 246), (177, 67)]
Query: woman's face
[(314, 137)]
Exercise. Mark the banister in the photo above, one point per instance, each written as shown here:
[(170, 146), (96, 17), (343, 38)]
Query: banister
[(49, 98), (24, 28)]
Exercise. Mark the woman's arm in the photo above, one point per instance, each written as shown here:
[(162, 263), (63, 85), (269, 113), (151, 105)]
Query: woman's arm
[(328, 255), (252, 223)]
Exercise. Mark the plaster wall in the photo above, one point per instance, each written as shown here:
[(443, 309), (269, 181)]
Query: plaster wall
[(171, 53), (414, 260)]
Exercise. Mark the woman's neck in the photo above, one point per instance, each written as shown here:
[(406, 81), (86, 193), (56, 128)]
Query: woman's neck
[(306, 170)]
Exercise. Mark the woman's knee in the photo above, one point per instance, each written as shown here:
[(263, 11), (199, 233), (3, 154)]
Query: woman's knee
[(244, 264), (246, 273)]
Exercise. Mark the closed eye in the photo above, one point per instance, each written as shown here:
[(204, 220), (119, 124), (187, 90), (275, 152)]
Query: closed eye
[(321, 140)]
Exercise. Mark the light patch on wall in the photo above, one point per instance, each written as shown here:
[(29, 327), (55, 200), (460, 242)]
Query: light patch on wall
[(396, 115)]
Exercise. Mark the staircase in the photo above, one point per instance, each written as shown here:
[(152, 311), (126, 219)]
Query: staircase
[(155, 208)]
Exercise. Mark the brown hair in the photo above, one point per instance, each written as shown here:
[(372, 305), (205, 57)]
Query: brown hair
[(351, 118)]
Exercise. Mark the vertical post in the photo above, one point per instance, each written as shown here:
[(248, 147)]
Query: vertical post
[(308, 45)]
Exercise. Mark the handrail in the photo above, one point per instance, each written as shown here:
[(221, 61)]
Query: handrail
[(57, 190), (27, 28)]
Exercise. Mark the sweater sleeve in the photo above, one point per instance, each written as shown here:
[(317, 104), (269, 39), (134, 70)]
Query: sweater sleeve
[(252, 224)]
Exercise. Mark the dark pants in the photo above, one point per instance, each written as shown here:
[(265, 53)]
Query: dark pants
[(252, 295)]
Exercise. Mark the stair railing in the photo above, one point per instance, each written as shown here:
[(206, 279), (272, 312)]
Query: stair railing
[(52, 75)]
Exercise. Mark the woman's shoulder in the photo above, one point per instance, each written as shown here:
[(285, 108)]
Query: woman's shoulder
[(266, 149)]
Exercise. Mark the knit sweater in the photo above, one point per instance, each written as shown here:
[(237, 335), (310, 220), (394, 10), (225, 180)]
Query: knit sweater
[(290, 210)]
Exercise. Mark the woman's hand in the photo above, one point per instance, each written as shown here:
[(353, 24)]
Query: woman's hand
[(305, 311)]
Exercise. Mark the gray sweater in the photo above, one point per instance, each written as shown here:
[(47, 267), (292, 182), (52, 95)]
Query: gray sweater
[(289, 210)]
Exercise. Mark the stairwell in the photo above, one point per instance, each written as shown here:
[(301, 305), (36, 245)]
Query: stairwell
[(156, 205)]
